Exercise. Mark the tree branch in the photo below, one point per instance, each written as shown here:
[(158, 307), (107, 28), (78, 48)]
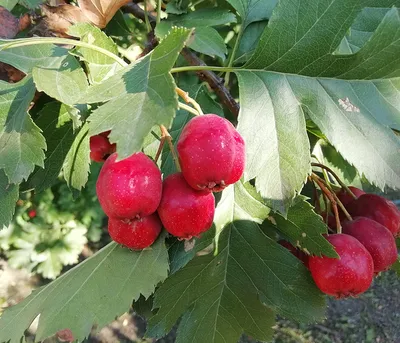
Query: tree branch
[(216, 83)]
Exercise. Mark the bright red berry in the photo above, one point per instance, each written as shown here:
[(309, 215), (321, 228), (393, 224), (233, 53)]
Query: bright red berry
[(211, 153), (135, 234), (130, 188), (345, 198), (377, 239), (100, 148), (379, 209), (32, 213), (302, 256), (350, 275), (184, 211)]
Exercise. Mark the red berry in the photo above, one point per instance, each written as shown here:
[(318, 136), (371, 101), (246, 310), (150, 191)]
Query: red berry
[(303, 257), (100, 148), (211, 153), (130, 188), (32, 213), (377, 239), (345, 198), (184, 211), (377, 208), (135, 233), (350, 275)]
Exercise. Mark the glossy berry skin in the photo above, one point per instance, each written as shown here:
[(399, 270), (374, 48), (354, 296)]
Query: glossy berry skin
[(211, 153), (32, 213), (350, 275), (130, 188), (303, 257), (185, 212), (135, 234), (377, 208), (100, 148), (346, 198), (377, 239)]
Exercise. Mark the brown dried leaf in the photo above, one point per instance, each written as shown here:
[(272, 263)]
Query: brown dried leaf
[(9, 25), (60, 18), (100, 12), (65, 335)]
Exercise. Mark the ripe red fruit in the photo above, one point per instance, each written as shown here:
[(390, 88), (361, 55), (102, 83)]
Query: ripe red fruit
[(346, 198), (211, 153), (377, 239), (135, 233), (302, 256), (32, 213), (100, 148), (184, 211), (377, 208), (130, 188), (350, 275)]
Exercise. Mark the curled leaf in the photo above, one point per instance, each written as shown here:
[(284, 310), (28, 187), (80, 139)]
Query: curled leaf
[(100, 12)]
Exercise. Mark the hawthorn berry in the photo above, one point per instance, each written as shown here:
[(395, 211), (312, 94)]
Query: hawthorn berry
[(32, 213), (302, 256), (211, 153), (184, 211), (100, 148), (350, 275), (345, 198), (376, 238), (130, 188), (377, 208), (137, 233)]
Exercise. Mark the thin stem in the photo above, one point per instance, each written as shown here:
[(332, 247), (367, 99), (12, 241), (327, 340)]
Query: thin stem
[(188, 108), (160, 148), (165, 133), (15, 43), (185, 96), (158, 19), (328, 193), (341, 183), (233, 54), (146, 17), (200, 68)]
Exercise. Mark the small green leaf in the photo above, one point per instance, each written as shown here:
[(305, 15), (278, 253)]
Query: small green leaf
[(208, 41), (65, 83), (8, 4), (95, 291), (253, 10), (8, 197), (32, 4), (143, 96), (77, 163), (304, 228), (205, 17), (272, 122), (99, 66), (248, 43), (57, 128), (21, 143), (25, 58), (396, 267)]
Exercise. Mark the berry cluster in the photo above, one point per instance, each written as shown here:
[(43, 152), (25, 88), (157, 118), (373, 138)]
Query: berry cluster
[(138, 203), (366, 247)]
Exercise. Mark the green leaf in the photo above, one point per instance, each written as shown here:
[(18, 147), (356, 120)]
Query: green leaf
[(143, 96), (77, 162), (267, 104), (8, 197), (66, 83), (249, 40), (253, 10), (21, 143), (304, 229), (31, 3), (208, 41), (57, 128), (99, 66), (25, 58), (95, 291), (396, 267), (8, 4)]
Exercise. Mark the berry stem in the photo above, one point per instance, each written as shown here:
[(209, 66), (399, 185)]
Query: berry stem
[(185, 96), (166, 136), (188, 108), (160, 148), (328, 193), (341, 183)]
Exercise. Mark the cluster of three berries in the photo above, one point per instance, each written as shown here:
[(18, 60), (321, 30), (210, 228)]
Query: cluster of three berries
[(137, 201)]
